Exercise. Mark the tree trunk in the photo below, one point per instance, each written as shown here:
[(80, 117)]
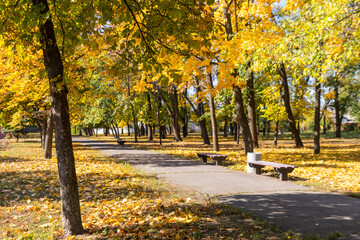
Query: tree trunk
[(128, 127), (276, 133), (225, 127), (242, 120), (317, 118), (236, 132), (251, 105), (175, 120), (324, 124), (49, 136), (185, 120), (337, 110), (199, 111), (286, 98), (133, 112), (142, 130), (173, 113), (231, 128), (213, 117), (70, 206), (149, 125)]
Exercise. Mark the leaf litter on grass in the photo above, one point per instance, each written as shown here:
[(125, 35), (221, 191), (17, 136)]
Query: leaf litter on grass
[(117, 202)]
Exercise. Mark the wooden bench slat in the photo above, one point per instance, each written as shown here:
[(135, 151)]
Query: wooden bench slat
[(282, 169), (218, 158), (271, 164)]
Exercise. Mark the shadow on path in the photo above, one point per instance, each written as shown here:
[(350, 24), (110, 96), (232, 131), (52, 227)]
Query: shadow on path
[(307, 212)]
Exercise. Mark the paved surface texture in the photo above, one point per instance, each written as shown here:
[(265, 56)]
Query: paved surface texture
[(285, 204)]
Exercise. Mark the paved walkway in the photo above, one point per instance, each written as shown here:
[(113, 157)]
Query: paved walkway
[(285, 204)]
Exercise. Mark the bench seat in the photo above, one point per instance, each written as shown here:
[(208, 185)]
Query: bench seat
[(218, 158), (120, 141), (282, 169)]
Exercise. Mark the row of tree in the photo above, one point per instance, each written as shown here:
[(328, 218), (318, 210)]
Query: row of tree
[(109, 63)]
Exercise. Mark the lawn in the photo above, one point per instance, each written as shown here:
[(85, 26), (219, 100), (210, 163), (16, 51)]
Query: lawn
[(117, 201)]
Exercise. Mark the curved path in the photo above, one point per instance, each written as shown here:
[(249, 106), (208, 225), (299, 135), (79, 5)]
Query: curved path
[(285, 204)]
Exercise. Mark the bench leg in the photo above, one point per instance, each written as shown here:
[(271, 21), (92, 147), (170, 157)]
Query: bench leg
[(283, 173), (219, 161), (283, 176), (204, 159), (258, 170)]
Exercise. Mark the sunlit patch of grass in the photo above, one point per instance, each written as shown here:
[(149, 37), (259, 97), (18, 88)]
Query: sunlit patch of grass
[(117, 202)]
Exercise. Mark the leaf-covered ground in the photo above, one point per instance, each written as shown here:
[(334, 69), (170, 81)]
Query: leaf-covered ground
[(335, 169), (117, 202)]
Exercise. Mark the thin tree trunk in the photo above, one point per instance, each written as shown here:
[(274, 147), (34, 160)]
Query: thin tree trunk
[(133, 112), (213, 117), (231, 125), (242, 120), (43, 132), (173, 113), (236, 133), (251, 105), (149, 125), (128, 127), (317, 118), (70, 205), (337, 110), (49, 136), (276, 133), (199, 111), (142, 130), (175, 121), (324, 124), (286, 98), (225, 127)]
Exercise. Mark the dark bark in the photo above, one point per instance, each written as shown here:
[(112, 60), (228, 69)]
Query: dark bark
[(149, 125), (173, 113), (338, 118), (40, 126), (128, 127), (142, 129), (242, 120), (286, 98), (199, 111), (133, 112), (276, 133), (70, 206), (185, 125), (324, 125), (175, 107), (226, 127), (251, 105), (231, 128), (264, 128), (49, 136), (236, 132), (317, 118), (213, 117)]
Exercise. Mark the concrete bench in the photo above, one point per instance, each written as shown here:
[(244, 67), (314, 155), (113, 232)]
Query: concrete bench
[(120, 141), (282, 169), (218, 158)]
